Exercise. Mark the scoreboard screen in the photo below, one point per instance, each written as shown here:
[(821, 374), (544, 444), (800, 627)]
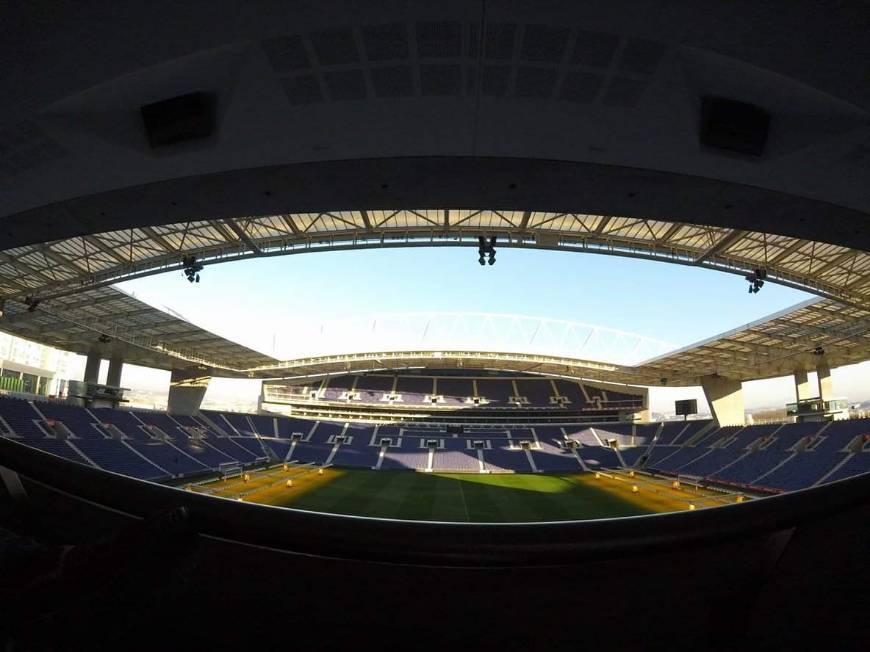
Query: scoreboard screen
[(686, 407)]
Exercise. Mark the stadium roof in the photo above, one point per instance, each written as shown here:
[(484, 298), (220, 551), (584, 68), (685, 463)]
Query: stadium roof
[(591, 107), (145, 335), (794, 338), (136, 331), (62, 267), (773, 346)]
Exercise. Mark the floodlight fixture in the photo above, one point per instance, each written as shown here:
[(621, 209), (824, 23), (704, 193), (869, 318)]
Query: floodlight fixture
[(756, 279), (486, 249), (191, 268)]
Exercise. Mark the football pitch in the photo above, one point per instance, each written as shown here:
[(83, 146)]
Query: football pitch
[(462, 497)]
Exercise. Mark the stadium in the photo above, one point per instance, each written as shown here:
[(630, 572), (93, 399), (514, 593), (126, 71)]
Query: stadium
[(445, 477)]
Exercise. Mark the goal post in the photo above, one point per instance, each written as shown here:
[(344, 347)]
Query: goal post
[(229, 470)]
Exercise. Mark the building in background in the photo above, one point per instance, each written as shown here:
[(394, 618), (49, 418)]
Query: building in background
[(33, 368)]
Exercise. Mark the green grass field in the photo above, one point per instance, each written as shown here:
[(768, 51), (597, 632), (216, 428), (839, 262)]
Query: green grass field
[(460, 497), (463, 497)]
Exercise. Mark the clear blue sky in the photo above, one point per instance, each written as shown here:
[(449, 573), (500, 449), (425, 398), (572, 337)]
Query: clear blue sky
[(674, 303)]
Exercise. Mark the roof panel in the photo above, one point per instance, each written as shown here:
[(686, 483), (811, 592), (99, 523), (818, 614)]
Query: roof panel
[(829, 270), (138, 329)]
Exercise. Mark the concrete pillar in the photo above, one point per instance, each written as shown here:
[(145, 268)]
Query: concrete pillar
[(725, 397), (92, 367), (802, 388), (826, 384), (187, 388), (116, 365)]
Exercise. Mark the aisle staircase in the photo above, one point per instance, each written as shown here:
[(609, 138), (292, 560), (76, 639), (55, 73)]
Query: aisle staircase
[(528, 453), (332, 453), (381, 454), (579, 459)]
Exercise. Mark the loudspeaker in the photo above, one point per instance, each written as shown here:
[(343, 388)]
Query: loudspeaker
[(179, 119), (734, 126)]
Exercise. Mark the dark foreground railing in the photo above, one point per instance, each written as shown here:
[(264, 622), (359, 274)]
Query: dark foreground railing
[(47, 479)]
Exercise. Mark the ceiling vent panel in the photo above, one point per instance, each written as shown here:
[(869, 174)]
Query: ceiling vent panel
[(594, 49), (386, 42), (394, 81), (641, 57), (495, 80), (545, 44), (302, 90), (335, 48), (436, 79), (439, 40), (580, 86), (500, 40), (345, 85), (287, 54), (624, 92), (535, 83)]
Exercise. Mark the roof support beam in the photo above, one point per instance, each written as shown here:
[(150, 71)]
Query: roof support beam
[(291, 224), (99, 244), (605, 220), (837, 260), (6, 280), (720, 246), (672, 229), (788, 251), (29, 269), (156, 237), (829, 331), (66, 263), (524, 223), (244, 237), (835, 316), (91, 301)]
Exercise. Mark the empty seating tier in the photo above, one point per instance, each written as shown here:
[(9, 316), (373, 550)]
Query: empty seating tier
[(155, 445)]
